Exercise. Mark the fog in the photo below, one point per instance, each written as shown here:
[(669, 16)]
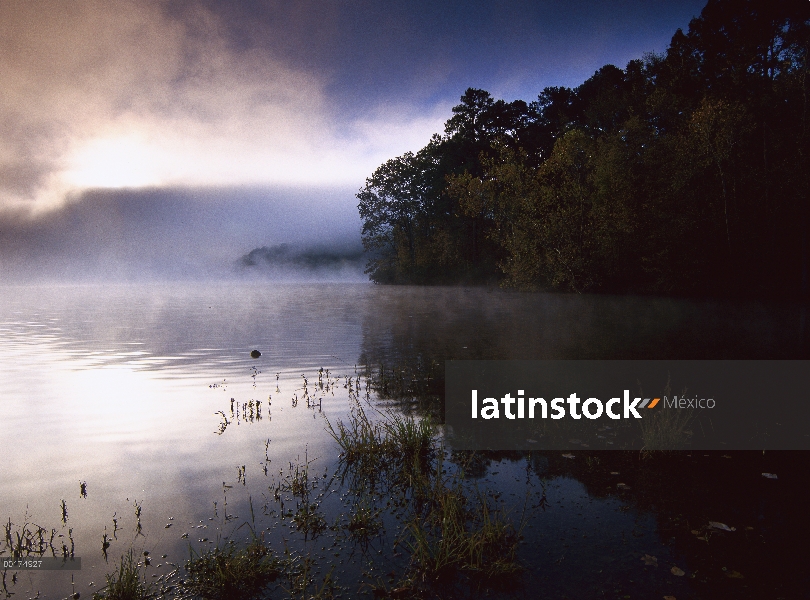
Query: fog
[(135, 94), (168, 140), (181, 233)]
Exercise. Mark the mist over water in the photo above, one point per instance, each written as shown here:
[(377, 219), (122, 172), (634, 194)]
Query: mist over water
[(185, 234), (136, 390)]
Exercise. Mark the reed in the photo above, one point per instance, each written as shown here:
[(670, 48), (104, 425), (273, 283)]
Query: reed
[(126, 583), (459, 531), (28, 539), (230, 573), (393, 448)]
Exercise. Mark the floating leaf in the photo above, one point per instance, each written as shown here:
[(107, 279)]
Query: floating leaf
[(695, 532), (649, 561), (722, 526), (669, 597), (769, 476), (614, 472), (676, 571), (734, 575)]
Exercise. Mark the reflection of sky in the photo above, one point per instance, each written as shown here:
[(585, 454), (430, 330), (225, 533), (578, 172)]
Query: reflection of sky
[(121, 387), (113, 386)]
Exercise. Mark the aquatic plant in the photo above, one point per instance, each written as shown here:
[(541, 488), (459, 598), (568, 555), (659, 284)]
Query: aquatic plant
[(126, 583), (27, 539), (297, 485), (364, 522), (394, 446), (417, 383), (449, 528), (300, 577), (462, 535), (228, 572), (399, 486)]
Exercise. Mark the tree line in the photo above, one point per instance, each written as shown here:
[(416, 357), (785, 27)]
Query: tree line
[(683, 173)]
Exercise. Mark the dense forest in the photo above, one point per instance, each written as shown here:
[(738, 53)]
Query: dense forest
[(684, 173)]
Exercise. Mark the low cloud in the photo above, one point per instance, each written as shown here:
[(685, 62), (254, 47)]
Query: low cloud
[(126, 94), (160, 233)]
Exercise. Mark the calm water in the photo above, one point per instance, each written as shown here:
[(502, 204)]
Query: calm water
[(129, 390)]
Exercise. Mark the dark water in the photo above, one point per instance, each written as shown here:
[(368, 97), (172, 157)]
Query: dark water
[(129, 390)]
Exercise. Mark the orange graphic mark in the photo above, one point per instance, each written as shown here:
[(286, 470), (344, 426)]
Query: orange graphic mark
[(654, 402)]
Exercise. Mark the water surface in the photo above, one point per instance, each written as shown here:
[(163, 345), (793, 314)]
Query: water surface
[(141, 391)]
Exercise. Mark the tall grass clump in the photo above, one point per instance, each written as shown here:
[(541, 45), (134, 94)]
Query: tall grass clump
[(396, 448), (364, 449), (458, 531), (126, 583), (411, 439), (224, 573)]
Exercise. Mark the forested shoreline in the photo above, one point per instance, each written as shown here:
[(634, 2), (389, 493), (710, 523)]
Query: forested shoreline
[(684, 173)]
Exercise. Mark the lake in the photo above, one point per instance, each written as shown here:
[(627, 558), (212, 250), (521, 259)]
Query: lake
[(141, 408)]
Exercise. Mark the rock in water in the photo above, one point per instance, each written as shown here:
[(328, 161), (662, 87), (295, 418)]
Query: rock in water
[(255, 354)]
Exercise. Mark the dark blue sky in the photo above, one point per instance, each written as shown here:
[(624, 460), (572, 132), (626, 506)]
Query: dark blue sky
[(424, 51), (427, 51), (127, 98)]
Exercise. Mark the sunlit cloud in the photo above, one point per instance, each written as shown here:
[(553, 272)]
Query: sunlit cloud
[(121, 94), (189, 153), (152, 93), (113, 163)]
